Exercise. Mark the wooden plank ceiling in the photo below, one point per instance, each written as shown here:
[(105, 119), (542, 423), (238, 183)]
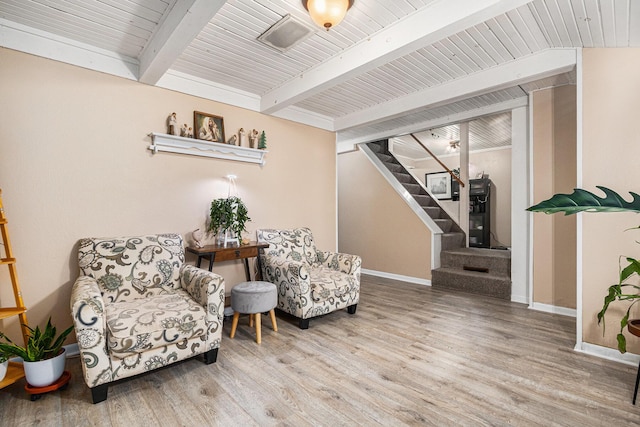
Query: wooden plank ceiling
[(390, 67)]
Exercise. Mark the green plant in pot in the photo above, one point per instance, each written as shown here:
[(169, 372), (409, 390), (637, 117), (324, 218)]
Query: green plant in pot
[(43, 355), (229, 215), (4, 364), (622, 291)]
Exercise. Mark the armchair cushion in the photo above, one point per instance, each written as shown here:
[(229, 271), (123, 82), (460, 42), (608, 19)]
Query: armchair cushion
[(127, 268), (138, 325), (327, 283), (294, 245)]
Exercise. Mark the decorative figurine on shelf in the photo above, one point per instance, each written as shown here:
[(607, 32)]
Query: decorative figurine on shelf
[(232, 140), (189, 132), (173, 124), (183, 130), (198, 236), (262, 143), (242, 138), (253, 138)]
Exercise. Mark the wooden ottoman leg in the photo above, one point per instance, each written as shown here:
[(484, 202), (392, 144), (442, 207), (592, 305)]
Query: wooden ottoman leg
[(274, 325), (258, 328), (251, 320), (234, 324)]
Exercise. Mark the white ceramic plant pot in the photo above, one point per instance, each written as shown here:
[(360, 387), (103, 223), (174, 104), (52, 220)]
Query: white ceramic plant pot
[(3, 369), (45, 372)]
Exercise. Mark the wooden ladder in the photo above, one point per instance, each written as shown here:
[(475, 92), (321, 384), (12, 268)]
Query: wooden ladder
[(15, 371)]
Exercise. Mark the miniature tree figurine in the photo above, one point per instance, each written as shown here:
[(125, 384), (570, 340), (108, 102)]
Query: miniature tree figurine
[(262, 142)]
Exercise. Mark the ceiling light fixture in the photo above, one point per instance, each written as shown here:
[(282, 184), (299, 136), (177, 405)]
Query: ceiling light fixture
[(327, 13)]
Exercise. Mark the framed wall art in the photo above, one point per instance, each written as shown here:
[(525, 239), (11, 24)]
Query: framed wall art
[(208, 127), (439, 184)]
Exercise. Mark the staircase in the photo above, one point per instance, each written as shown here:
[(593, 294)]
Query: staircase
[(473, 270), (453, 237)]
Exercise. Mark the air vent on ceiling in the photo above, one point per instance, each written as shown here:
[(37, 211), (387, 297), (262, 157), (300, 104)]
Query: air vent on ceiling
[(285, 34)]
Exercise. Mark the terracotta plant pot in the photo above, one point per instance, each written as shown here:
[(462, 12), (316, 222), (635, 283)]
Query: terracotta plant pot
[(633, 326), (45, 372)]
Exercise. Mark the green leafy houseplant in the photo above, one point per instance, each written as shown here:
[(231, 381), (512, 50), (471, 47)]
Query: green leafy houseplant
[(41, 345), (229, 214), (585, 201)]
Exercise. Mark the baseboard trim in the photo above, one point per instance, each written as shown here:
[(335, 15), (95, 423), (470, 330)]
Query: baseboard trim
[(548, 308), (72, 350), (410, 279), (608, 353)]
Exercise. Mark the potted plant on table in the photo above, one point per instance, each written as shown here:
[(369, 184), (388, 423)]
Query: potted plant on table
[(585, 201), (43, 357), (228, 219)]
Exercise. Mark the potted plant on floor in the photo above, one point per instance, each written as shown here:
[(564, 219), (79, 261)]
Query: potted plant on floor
[(43, 357), (585, 201), (228, 219), (4, 365)]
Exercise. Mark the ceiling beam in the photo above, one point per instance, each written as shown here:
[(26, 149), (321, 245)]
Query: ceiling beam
[(183, 23), (422, 28), (345, 144), (523, 70)]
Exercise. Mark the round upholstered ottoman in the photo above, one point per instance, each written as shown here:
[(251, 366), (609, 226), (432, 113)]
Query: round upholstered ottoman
[(254, 298)]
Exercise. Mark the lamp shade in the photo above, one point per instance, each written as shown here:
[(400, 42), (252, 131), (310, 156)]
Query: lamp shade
[(327, 13)]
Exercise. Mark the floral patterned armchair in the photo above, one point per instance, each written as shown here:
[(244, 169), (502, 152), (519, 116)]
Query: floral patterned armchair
[(137, 306), (310, 282)]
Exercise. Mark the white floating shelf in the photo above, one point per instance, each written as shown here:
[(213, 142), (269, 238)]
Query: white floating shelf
[(196, 147)]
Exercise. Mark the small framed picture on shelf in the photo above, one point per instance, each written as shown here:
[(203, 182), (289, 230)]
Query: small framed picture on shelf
[(208, 127), (439, 184)]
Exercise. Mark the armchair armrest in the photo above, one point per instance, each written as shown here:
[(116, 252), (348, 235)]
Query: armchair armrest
[(345, 263), (207, 289), (292, 280), (87, 311)]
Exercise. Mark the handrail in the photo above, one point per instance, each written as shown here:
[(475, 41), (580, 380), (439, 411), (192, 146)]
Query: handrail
[(453, 175)]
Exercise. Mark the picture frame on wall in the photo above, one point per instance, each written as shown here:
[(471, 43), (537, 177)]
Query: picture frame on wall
[(208, 127), (439, 185)]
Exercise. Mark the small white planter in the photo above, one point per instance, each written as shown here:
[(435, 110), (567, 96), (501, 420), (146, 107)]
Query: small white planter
[(45, 372), (3, 369)]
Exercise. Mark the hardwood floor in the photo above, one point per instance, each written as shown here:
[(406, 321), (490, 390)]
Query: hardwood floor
[(411, 355)]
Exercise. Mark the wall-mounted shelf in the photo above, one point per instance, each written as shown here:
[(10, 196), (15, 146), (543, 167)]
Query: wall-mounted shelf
[(195, 147)]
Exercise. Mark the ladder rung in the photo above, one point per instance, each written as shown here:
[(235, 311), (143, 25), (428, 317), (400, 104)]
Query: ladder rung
[(11, 311), (3, 221), (7, 261)]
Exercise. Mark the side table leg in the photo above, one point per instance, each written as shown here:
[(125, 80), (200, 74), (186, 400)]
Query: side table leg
[(212, 258), (246, 269)]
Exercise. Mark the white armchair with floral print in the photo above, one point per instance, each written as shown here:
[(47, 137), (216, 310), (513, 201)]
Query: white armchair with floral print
[(137, 306), (310, 282)]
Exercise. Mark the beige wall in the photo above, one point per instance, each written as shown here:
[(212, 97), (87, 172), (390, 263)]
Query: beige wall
[(496, 164), (74, 163), (554, 171), (611, 149), (375, 222)]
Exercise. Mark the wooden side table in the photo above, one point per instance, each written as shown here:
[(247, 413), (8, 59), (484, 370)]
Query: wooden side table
[(216, 253)]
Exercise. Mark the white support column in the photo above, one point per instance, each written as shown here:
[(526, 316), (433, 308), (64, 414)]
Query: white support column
[(520, 201), (464, 177)]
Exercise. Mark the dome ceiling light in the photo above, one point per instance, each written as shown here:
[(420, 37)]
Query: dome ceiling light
[(327, 13)]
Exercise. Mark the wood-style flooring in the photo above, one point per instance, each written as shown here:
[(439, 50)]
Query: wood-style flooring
[(411, 355)]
